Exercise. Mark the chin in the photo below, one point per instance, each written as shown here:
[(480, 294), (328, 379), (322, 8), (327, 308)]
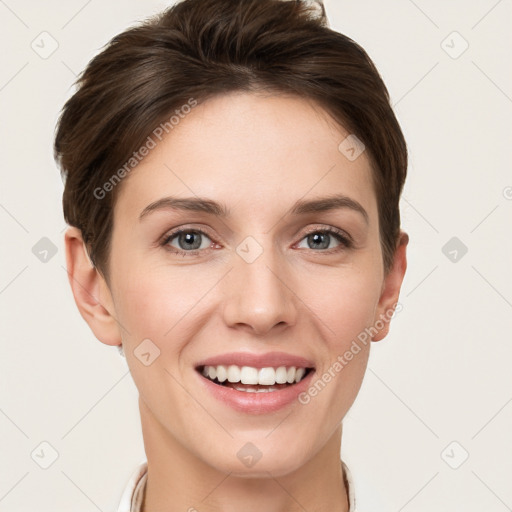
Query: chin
[(248, 461)]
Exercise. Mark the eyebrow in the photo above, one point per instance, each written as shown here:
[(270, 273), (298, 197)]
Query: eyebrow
[(301, 207)]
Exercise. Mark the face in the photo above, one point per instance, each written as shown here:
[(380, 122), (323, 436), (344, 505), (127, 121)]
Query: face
[(270, 283)]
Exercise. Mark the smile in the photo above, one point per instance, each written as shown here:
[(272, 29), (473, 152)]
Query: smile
[(254, 380), (255, 383)]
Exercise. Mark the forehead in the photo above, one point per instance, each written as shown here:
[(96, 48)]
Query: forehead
[(250, 150)]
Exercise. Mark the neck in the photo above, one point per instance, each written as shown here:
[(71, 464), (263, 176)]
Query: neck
[(178, 480)]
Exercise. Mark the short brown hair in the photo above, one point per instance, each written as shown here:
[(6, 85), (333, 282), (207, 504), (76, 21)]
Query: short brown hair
[(202, 48)]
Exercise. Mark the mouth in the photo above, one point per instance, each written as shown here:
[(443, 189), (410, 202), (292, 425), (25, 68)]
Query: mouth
[(250, 379)]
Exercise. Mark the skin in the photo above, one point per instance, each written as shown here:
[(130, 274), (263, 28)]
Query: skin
[(257, 155)]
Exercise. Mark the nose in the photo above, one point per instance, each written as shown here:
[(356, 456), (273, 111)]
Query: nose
[(259, 295)]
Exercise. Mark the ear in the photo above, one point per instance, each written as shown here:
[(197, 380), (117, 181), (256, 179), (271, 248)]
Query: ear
[(90, 290), (391, 288)]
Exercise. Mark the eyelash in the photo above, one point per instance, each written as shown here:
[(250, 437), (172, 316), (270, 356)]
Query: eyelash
[(345, 240)]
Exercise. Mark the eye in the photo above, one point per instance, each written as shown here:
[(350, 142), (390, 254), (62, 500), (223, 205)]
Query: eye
[(188, 241), (322, 238)]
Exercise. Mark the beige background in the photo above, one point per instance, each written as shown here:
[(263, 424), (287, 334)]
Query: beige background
[(438, 388)]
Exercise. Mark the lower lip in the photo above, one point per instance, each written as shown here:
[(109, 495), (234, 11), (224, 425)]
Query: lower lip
[(257, 403)]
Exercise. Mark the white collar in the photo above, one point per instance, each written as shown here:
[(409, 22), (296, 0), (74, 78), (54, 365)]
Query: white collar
[(131, 500)]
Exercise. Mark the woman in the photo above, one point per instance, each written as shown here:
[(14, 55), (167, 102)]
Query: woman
[(233, 171)]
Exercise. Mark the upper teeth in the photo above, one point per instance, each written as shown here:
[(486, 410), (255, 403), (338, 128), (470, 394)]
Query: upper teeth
[(249, 375)]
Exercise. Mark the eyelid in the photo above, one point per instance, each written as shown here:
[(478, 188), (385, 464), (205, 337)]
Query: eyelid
[(331, 229), (345, 238), (185, 227)]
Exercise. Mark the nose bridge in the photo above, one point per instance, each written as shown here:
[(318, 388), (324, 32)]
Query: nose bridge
[(259, 295)]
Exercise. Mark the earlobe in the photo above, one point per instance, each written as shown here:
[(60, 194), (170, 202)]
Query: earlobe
[(91, 293), (391, 288)]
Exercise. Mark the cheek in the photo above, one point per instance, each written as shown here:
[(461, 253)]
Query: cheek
[(153, 307), (344, 310), (346, 305), (153, 299)]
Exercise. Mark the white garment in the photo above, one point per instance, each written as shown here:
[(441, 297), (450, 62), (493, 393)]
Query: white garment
[(131, 500)]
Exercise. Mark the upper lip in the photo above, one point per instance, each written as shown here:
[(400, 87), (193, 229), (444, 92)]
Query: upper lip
[(269, 359)]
